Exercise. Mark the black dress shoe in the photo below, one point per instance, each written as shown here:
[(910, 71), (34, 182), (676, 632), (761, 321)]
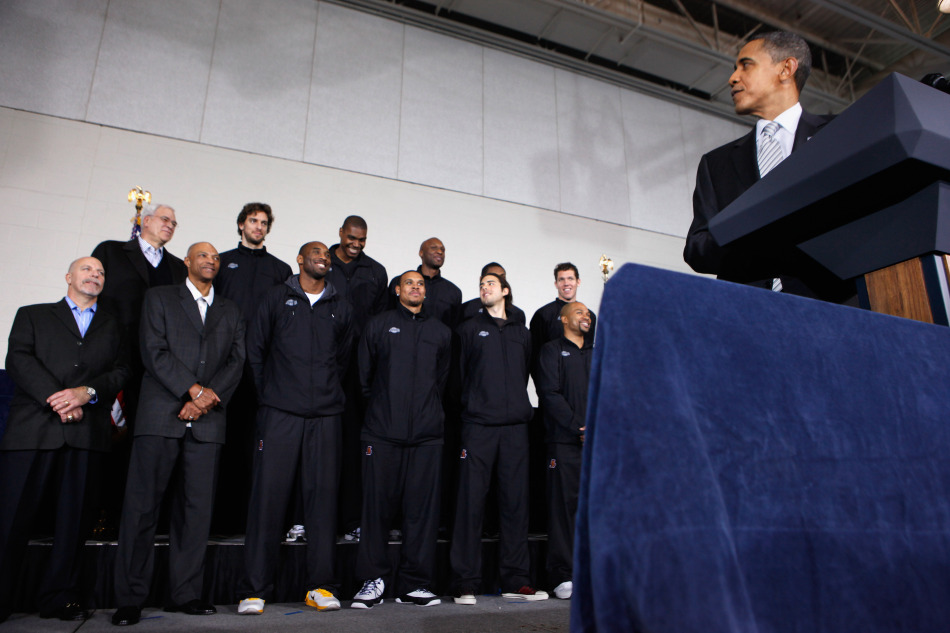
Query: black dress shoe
[(69, 612), (193, 607), (126, 616)]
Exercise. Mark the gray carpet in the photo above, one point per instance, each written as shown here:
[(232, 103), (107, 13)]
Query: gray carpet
[(492, 614)]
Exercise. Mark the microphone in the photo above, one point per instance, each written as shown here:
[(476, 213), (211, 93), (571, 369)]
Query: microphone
[(936, 80)]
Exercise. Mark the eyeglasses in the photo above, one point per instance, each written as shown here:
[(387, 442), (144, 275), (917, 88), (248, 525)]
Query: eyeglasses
[(167, 220)]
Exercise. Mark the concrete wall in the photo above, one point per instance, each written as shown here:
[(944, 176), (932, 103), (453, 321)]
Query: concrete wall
[(323, 111)]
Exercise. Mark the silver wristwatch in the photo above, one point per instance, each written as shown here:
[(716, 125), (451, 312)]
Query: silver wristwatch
[(92, 393)]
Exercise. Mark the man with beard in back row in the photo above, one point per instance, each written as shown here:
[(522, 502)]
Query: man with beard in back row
[(247, 273)]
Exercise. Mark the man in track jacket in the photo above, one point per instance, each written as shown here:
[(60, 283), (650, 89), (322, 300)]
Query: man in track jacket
[(562, 377), (495, 353), (298, 349), (404, 358)]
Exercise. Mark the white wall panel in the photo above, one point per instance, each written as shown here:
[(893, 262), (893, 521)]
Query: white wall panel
[(440, 140), (521, 159), (703, 133), (356, 92), (659, 189), (153, 68), (48, 50), (260, 77), (591, 149)]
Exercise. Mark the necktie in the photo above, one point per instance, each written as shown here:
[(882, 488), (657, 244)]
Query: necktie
[(770, 154), (770, 151), (202, 308)]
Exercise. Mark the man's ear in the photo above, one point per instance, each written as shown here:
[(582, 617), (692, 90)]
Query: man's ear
[(789, 68)]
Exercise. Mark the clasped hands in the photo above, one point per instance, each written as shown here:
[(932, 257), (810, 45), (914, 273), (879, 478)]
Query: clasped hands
[(203, 399), (68, 403)]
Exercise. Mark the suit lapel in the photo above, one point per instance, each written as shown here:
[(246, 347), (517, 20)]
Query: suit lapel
[(744, 161), (190, 307), (65, 314), (808, 126), (214, 314), (137, 258)]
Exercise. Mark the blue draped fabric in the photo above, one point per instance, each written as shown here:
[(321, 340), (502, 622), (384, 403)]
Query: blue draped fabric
[(759, 462)]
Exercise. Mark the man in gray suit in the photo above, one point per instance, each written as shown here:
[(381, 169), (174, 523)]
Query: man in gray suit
[(193, 352)]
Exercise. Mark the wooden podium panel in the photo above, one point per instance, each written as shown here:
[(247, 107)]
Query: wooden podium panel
[(913, 289)]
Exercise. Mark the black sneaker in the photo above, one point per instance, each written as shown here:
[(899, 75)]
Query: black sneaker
[(420, 597)]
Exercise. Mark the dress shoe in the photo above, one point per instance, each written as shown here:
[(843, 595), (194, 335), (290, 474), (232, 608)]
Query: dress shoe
[(126, 616), (71, 611), (193, 607)]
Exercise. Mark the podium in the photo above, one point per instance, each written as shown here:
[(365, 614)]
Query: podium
[(867, 197)]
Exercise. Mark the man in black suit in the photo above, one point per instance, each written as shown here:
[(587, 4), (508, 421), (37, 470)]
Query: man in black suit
[(771, 71), (193, 351), (133, 267), (68, 360)]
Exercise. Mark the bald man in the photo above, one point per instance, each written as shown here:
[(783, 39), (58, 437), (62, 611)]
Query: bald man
[(443, 298), (298, 347), (68, 360), (192, 346), (562, 376)]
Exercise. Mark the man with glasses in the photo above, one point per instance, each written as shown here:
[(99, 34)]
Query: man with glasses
[(131, 268)]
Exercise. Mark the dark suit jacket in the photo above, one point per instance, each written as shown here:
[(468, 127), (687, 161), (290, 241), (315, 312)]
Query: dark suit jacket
[(723, 175), (46, 354), (127, 278), (179, 351)]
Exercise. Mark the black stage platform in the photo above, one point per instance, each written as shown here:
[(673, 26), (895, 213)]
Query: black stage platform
[(224, 568)]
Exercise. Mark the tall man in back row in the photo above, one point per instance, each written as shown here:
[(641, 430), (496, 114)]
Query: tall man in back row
[(770, 73), (361, 280), (247, 273), (546, 322), (443, 298)]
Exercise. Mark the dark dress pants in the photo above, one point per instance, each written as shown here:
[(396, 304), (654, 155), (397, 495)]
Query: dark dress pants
[(152, 464), (24, 476)]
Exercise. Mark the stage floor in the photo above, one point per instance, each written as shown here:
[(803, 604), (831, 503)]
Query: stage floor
[(492, 613)]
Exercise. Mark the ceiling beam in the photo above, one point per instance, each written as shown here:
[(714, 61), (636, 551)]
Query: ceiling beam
[(746, 9), (885, 26)]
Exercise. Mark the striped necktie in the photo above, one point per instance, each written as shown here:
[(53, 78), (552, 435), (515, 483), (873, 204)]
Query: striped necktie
[(770, 151)]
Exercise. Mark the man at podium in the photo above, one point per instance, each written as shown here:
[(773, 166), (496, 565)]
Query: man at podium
[(770, 73)]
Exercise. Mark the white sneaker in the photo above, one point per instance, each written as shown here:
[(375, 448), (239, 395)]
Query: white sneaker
[(251, 606), (564, 590), (526, 593), (322, 600), (465, 596), (295, 534), (352, 535), (421, 597), (370, 595)]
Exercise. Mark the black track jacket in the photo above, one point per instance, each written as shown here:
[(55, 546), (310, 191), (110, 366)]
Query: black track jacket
[(404, 362), (299, 353), (494, 371), (561, 378)]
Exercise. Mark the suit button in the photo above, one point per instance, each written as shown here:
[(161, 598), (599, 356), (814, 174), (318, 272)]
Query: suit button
[(202, 362), (76, 365), (78, 342)]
